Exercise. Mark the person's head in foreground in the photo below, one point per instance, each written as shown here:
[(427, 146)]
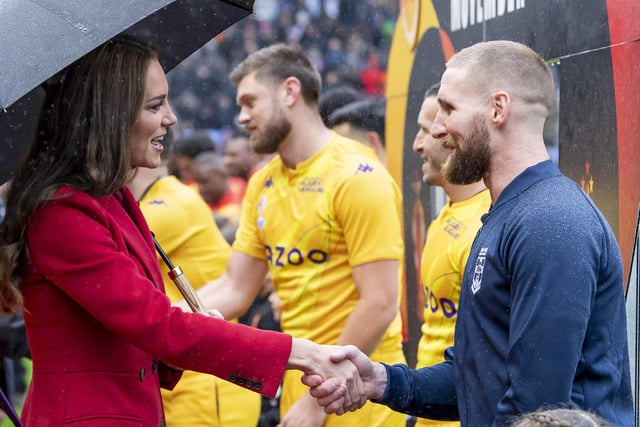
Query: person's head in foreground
[(560, 417)]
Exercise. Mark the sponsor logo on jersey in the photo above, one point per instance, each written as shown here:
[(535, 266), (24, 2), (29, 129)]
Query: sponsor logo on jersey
[(269, 182), (156, 202), (280, 256), (311, 185), (476, 282), (364, 168), (453, 227), (435, 304)]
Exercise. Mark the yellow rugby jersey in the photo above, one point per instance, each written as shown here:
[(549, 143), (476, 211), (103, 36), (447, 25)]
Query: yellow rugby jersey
[(444, 257), (448, 241), (176, 214), (338, 209), (183, 225)]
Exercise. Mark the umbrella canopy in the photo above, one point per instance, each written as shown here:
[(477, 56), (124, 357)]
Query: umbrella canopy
[(41, 37)]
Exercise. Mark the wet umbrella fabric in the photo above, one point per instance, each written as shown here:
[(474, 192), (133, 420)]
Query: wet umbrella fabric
[(42, 37)]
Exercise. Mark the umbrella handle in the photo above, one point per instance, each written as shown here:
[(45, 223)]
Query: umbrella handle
[(187, 291)]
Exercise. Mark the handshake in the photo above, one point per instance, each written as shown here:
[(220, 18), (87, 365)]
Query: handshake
[(341, 378)]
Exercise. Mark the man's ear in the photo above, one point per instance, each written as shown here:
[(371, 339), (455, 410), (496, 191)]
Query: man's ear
[(500, 107), (373, 140), (293, 89)]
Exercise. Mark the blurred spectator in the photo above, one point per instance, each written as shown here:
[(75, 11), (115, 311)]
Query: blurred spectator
[(239, 158), (184, 151), (223, 193), (373, 77), (335, 55), (223, 114)]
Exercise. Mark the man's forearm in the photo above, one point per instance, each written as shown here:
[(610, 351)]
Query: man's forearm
[(367, 325), (221, 296)]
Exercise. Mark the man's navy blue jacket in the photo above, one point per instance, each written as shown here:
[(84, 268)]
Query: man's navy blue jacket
[(542, 315)]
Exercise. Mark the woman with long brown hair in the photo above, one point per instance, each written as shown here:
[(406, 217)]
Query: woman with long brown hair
[(77, 255)]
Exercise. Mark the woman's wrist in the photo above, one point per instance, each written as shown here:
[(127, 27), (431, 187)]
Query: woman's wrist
[(301, 356)]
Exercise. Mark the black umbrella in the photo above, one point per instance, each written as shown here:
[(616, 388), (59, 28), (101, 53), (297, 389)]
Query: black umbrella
[(41, 37)]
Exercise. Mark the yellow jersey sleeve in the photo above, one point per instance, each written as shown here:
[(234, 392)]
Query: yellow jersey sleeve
[(367, 206)]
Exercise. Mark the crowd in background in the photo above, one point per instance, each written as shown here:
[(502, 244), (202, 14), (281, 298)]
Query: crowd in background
[(347, 41)]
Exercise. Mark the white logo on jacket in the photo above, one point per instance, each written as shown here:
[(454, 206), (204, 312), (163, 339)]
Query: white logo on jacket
[(476, 282)]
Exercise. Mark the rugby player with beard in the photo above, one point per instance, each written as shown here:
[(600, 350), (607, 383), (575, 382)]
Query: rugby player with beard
[(541, 320), (324, 218)]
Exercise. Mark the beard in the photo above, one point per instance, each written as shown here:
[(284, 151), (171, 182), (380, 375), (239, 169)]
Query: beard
[(269, 139), (468, 164)]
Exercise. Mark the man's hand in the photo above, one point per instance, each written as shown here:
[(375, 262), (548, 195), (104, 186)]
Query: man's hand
[(328, 393)]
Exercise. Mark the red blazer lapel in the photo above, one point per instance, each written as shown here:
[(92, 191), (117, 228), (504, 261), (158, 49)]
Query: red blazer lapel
[(135, 231)]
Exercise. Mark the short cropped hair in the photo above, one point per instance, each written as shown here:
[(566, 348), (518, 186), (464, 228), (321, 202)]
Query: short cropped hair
[(510, 66), (275, 63), (193, 145), (211, 161), (239, 133), (336, 97), (367, 114)]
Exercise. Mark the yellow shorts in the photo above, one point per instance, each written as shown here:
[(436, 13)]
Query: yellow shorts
[(370, 415), (206, 401)]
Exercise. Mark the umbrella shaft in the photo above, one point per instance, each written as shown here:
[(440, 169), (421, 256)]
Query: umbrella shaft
[(187, 291)]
